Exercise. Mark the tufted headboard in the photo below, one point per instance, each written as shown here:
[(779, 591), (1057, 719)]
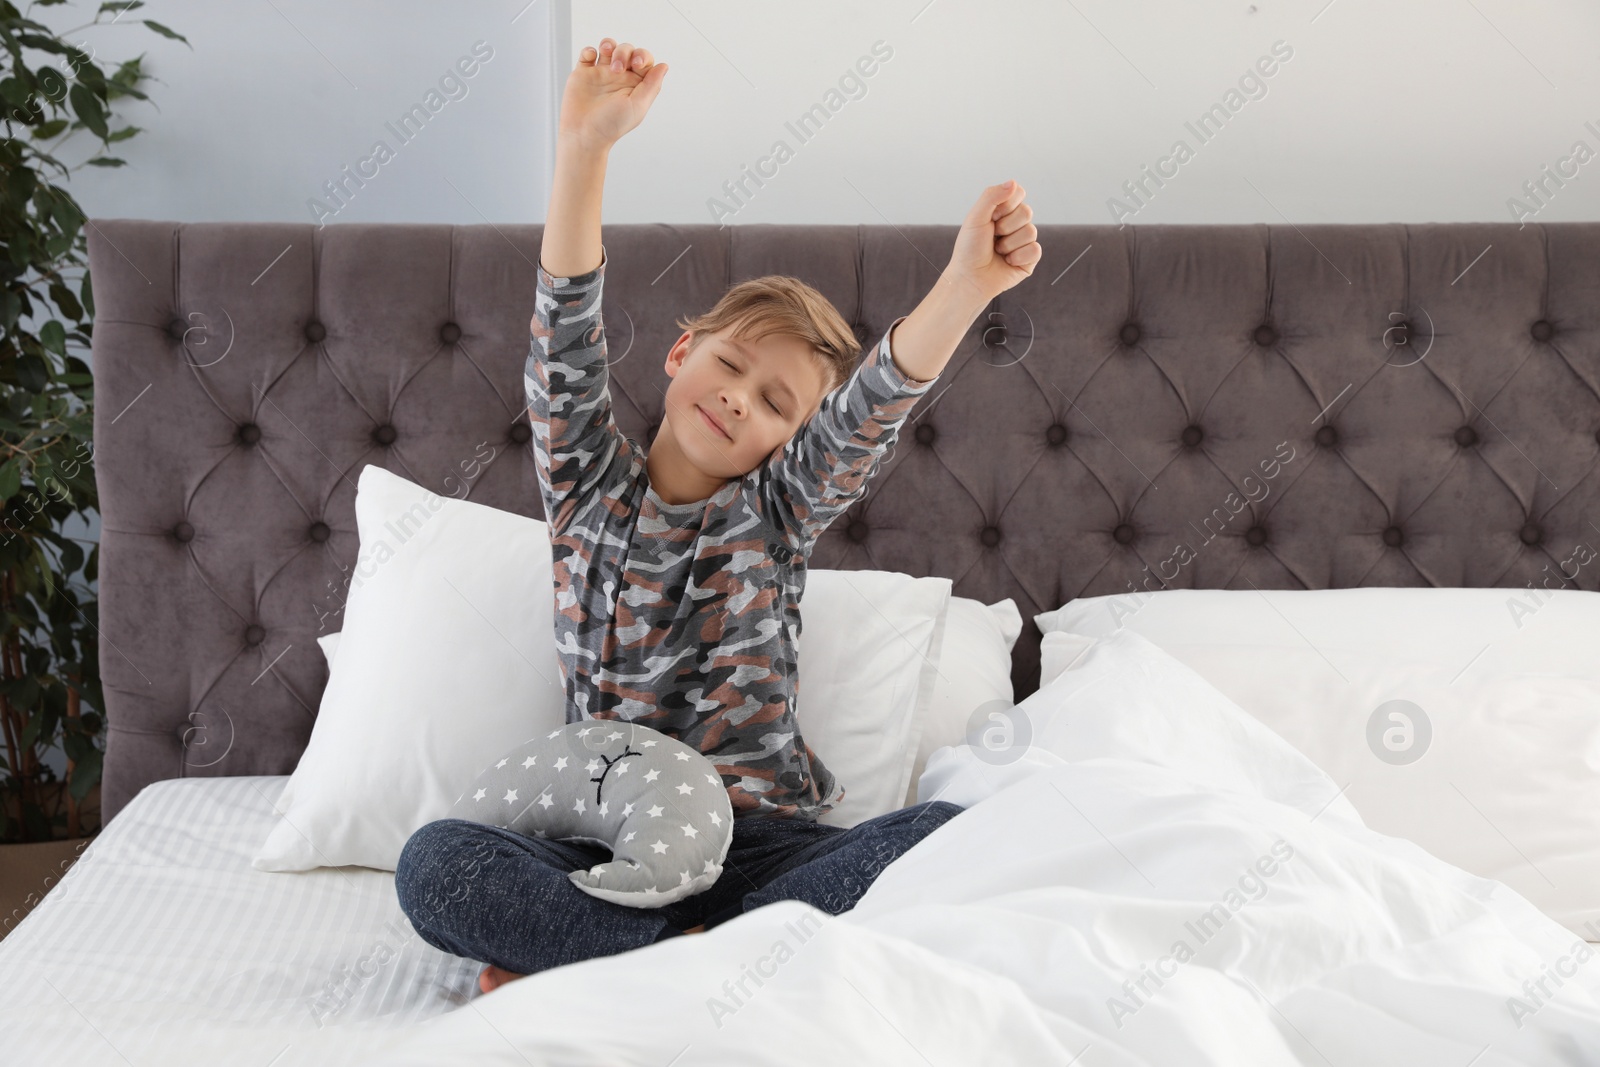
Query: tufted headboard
[(1219, 406)]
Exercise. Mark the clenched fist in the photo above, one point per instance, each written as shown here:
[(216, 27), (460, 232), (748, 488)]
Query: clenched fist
[(998, 244)]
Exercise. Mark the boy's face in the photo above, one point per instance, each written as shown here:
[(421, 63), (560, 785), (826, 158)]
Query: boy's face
[(733, 402)]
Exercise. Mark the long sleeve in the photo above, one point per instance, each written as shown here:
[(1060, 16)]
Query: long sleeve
[(575, 438), (825, 466)]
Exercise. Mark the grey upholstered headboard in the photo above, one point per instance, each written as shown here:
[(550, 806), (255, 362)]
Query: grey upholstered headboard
[(1417, 405)]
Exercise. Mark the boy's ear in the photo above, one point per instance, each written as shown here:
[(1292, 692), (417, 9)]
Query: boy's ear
[(678, 353)]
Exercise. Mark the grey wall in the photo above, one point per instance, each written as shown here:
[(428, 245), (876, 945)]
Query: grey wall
[(276, 99)]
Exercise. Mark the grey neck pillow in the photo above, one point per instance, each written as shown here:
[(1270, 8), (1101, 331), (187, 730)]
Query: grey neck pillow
[(657, 804)]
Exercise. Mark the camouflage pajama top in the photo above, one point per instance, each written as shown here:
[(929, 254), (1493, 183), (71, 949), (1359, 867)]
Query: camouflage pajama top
[(686, 617)]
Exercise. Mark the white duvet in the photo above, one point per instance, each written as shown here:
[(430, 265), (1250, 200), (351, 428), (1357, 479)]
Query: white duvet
[(1154, 879)]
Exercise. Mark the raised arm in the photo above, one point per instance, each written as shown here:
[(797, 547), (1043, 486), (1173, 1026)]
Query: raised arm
[(607, 94), (825, 467), (995, 249), (576, 441)]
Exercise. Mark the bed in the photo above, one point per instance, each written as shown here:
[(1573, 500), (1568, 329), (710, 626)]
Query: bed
[(245, 371)]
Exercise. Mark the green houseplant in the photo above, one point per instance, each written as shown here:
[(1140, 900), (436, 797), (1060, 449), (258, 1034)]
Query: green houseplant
[(50, 693)]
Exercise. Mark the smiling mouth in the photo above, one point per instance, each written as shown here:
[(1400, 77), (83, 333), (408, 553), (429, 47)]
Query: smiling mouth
[(713, 423)]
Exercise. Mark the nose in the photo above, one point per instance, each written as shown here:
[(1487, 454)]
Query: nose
[(735, 399)]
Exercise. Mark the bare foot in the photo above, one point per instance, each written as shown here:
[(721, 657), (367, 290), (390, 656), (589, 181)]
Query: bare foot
[(696, 929), (493, 977)]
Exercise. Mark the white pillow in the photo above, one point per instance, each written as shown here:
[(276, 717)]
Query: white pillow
[(866, 717), (974, 670), (1125, 698), (431, 683), (447, 659), (1498, 772), (329, 643), (867, 730), (869, 646)]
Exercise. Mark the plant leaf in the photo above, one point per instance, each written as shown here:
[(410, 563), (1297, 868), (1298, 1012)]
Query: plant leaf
[(163, 31), (53, 336), (10, 478), (89, 109), (85, 773)]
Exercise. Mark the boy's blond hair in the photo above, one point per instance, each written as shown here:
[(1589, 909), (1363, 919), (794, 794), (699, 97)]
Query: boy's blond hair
[(777, 303)]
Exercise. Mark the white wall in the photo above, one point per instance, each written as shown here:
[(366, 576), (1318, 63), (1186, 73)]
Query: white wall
[(1415, 111), (1429, 110)]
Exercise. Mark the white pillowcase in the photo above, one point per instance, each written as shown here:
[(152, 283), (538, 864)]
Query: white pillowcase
[(974, 670), (1124, 695), (871, 727), (869, 644), (448, 659), (1503, 778)]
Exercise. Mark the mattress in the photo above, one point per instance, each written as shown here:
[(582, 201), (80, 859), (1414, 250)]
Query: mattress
[(163, 945)]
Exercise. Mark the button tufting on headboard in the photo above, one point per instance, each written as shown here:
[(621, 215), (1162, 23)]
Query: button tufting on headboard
[(1278, 342)]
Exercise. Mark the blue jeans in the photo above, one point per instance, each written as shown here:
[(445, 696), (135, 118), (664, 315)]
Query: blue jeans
[(489, 894)]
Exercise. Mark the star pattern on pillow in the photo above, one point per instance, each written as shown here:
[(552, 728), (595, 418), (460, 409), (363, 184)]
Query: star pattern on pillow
[(605, 803)]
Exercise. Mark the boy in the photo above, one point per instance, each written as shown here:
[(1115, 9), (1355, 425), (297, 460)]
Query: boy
[(678, 574)]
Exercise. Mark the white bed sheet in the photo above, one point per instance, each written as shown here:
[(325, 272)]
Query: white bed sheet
[(1040, 925), (162, 945)]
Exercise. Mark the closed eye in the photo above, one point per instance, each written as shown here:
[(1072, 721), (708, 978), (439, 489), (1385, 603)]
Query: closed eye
[(770, 404)]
